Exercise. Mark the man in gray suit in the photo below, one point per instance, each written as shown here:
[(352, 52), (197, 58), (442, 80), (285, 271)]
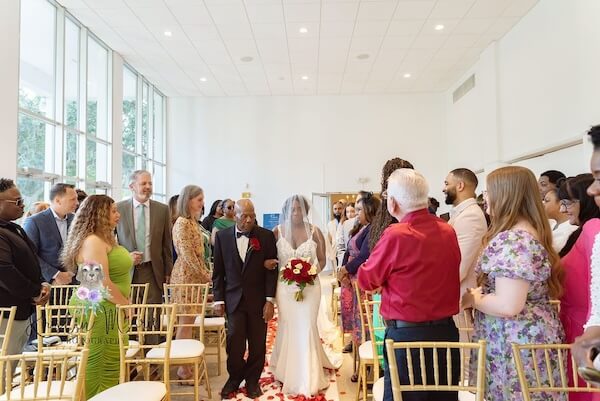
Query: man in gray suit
[(145, 230)]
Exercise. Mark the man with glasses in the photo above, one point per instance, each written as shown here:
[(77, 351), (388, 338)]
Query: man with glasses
[(21, 281)]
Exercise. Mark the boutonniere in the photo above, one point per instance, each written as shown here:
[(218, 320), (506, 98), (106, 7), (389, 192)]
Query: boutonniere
[(254, 244)]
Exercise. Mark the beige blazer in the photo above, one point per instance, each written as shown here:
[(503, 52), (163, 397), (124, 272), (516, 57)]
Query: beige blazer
[(468, 221), (161, 245)]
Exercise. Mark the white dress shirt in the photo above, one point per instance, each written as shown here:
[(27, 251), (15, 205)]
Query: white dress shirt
[(470, 226), (62, 226), (242, 244), (146, 257), (342, 237)]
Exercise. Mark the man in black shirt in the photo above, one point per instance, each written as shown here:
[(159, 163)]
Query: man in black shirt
[(21, 281)]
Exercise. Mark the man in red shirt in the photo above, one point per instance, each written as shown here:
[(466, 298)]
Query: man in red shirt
[(416, 265)]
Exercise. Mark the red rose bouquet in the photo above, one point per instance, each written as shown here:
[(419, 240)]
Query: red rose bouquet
[(300, 273)]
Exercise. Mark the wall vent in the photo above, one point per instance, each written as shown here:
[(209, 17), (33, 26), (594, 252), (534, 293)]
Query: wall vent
[(463, 89)]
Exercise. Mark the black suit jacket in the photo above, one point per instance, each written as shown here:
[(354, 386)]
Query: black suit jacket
[(20, 274), (234, 279)]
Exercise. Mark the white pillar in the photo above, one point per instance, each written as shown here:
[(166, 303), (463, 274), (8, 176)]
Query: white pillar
[(9, 82)]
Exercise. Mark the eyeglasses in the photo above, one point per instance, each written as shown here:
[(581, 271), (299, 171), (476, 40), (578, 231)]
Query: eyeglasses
[(17, 202), (567, 204)]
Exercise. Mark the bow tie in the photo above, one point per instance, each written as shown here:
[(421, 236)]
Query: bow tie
[(241, 234)]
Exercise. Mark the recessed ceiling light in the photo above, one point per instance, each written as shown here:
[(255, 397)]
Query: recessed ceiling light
[(247, 59), (168, 34), (305, 77), (303, 29), (407, 75), (203, 79), (363, 56), (439, 27)]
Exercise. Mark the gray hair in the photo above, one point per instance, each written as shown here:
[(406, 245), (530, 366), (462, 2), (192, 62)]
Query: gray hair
[(188, 193), (409, 188), (134, 175)]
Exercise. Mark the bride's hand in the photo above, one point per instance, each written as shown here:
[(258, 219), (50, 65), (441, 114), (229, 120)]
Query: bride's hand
[(271, 264)]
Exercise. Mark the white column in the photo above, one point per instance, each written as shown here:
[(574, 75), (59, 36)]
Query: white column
[(9, 82), (117, 126)]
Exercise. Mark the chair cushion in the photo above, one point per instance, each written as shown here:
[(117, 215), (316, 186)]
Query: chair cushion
[(137, 390), (68, 390), (211, 322), (365, 351), (179, 349), (378, 390), (134, 348)]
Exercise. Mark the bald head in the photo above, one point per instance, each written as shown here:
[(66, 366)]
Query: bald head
[(244, 215)]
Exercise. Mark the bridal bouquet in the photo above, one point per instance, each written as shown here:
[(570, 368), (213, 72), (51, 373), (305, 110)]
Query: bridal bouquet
[(300, 273)]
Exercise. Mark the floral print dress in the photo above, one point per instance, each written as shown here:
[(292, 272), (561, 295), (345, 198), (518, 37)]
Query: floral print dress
[(516, 254)]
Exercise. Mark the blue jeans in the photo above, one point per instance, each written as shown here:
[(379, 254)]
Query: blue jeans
[(445, 332)]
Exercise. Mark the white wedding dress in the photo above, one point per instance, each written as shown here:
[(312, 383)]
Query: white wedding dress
[(299, 356)]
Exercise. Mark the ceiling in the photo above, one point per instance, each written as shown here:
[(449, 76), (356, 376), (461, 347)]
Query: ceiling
[(299, 47)]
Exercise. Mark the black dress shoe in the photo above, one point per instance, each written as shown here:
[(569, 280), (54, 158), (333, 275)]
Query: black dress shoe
[(229, 388), (347, 348), (254, 392)]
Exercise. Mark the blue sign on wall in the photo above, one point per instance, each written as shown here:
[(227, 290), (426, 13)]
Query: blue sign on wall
[(270, 220)]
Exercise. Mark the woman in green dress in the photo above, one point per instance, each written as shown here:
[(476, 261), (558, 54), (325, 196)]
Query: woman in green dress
[(92, 240), (226, 221)]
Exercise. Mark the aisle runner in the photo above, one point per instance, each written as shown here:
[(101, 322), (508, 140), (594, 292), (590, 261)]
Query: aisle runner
[(272, 388)]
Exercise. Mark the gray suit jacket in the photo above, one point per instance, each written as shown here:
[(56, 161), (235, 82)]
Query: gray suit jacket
[(41, 228), (161, 244)]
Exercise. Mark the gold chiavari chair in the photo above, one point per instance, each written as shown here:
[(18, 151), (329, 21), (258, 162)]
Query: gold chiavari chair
[(555, 303), (189, 315), (139, 294), (136, 390), (51, 378), (61, 294), (418, 362), (371, 308), (547, 358), (137, 323), (7, 317), (70, 325), (363, 352)]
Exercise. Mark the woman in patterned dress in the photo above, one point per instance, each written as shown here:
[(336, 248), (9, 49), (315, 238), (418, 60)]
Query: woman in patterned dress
[(190, 267), (518, 273)]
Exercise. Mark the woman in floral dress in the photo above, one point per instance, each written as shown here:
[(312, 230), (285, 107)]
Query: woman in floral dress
[(518, 273)]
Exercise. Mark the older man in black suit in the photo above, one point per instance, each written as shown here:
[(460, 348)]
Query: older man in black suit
[(244, 284)]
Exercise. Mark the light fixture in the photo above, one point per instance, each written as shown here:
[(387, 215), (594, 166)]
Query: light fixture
[(247, 59), (363, 56), (203, 79), (407, 75), (168, 34), (439, 27), (305, 77), (303, 29)]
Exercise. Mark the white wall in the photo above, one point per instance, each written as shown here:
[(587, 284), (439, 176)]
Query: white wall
[(284, 145), (9, 82), (536, 88)]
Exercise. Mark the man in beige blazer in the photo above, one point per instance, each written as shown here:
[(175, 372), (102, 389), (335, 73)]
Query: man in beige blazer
[(467, 219), (145, 230)]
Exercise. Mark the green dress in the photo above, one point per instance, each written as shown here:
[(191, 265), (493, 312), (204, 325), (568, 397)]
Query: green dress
[(222, 223), (102, 370)]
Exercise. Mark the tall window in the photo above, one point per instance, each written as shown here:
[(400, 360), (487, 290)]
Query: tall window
[(64, 102), (143, 131)]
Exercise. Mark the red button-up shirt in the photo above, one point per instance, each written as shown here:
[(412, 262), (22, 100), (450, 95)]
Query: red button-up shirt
[(416, 262)]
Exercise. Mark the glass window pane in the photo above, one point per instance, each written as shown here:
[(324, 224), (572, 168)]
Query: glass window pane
[(129, 109), (158, 179), (97, 162), (128, 167), (145, 133), (71, 74), (32, 190), (71, 154), (159, 133), (37, 64), (35, 144), (97, 86)]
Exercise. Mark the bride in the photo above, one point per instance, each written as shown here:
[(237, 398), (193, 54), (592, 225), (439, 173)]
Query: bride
[(299, 357)]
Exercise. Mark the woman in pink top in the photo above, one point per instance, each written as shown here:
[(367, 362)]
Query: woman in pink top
[(575, 302)]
